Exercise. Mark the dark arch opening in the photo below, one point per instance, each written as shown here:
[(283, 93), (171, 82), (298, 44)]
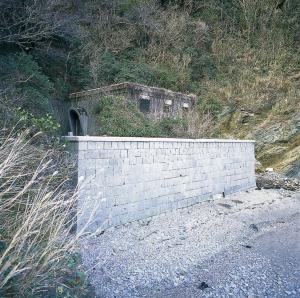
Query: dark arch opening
[(78, 121)]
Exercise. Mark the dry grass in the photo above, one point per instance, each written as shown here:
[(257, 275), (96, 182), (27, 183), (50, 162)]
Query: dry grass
[(37, 215), (252, 76), (200, 124)]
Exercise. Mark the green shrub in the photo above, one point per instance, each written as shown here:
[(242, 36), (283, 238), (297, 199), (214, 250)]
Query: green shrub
[(39, 124), (64, 65), (21, 77), (113, 68), (173, 127), (107, 68), (118, 117), (136, 72), (211, 106), (125, 6)]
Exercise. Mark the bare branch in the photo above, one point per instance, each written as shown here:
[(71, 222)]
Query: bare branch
[(25, 22)]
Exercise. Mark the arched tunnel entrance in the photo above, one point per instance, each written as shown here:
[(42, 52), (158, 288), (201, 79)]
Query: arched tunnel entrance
[(78, 121)]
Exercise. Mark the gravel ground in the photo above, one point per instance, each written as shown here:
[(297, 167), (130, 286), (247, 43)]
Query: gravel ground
[(246, 245)]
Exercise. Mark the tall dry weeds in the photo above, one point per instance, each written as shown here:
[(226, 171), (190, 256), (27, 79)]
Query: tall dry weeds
[(37, 214), (200, 124)]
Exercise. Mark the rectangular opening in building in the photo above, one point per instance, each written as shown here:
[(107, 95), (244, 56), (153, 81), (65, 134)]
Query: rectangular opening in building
[(185, 109), (167, 109), (144, 105)]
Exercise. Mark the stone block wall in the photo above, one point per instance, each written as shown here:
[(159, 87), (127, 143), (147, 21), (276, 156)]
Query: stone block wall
[(126, 179)]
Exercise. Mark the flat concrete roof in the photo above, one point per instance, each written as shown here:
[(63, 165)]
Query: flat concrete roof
[(129, 85), (141, 139)]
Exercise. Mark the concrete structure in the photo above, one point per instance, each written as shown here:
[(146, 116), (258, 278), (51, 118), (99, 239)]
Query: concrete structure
[(126, 179), (78, 114)]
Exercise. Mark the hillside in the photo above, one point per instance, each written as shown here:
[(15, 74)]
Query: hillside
[(241, 58)]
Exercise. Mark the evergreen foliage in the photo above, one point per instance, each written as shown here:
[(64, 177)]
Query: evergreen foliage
[(23, 79), (119, 117)]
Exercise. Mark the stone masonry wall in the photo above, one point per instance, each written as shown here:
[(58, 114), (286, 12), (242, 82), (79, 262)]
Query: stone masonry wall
[(126, 179)]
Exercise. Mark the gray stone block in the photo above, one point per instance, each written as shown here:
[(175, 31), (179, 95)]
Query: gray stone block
[(134, 178)]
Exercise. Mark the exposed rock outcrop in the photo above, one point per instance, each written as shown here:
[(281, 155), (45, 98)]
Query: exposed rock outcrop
[(272, 180), (276, 132)]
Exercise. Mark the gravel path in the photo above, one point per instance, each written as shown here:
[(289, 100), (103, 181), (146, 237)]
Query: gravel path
[(246, 245)]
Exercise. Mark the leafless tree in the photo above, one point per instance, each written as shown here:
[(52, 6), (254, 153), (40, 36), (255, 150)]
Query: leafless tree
[(23, 22)]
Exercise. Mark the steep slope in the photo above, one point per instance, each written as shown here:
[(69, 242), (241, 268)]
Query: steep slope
[(240, 57), (277, 137)]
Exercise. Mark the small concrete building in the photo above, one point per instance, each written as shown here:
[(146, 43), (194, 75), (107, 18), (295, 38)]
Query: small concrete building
[(78, 114)]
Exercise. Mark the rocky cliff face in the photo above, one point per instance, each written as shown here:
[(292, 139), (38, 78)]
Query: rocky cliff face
[(276, 131)]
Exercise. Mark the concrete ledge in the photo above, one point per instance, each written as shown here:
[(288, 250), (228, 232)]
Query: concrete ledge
[(141, 139)]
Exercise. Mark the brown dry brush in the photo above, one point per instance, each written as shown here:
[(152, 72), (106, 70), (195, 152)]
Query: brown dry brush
[(200, 124), (37, 215)]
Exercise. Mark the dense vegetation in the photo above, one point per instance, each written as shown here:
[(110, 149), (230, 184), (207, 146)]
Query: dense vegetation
[(118, 117), (241, 58)]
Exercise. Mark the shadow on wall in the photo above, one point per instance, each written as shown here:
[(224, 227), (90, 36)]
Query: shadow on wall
[(78, 120)]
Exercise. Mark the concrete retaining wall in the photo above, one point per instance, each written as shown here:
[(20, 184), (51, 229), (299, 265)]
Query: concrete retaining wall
[(126, 179)]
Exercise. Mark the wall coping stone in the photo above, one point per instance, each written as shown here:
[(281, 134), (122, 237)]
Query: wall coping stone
[(142, 139)]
